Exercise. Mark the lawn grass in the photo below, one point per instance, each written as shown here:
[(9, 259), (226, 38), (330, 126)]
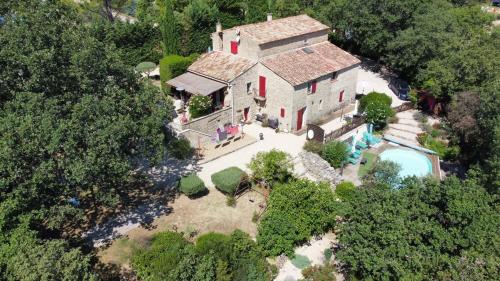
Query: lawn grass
[(364, 169), (124, 250), (301, 262)]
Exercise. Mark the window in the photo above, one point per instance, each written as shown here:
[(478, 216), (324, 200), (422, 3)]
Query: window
[(334, 76), (341, 96), (282, 112), (311, 87), (320, 104), (234, 47), (249, 87)]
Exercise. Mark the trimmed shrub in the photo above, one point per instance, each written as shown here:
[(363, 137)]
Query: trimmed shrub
[(174, 65), (272, 166), (313, 146), (345, 190), (180, 148), (335, 153), (192, 185), (199, 106), (228, 180)]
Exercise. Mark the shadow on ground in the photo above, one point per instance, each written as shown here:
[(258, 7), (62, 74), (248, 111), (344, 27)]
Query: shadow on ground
[(140, 206)]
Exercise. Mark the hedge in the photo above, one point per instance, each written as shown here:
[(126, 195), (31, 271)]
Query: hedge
[(228, 179), (174, 65), (191, 185)]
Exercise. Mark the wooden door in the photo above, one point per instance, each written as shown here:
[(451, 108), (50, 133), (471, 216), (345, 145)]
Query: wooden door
[(245, 113), (262, 86), (300, 118)]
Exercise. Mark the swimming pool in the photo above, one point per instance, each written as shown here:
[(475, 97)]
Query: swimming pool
[(412, 163)]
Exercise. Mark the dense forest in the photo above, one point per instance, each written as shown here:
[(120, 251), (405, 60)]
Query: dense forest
[(75, 118)]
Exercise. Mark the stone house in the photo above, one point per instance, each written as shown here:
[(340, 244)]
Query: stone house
[(285, 68)]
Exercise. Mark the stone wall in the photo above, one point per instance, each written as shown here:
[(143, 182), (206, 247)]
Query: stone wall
[(208, 124), (324, 103), (319, 168), (287, 44), (241, 97), (278, 94)]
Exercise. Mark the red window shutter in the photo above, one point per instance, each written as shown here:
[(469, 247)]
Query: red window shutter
[(262, 86), (341, 96), (282, 113), (234, 47), (313, 87)]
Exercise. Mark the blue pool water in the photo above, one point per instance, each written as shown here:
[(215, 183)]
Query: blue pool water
[(412, 163)]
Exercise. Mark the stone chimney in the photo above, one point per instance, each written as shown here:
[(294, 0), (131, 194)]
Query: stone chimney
[(217, 37), (218, 27), (269, 16)]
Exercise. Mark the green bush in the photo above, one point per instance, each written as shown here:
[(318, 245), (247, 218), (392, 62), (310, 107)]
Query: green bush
[(335, 153), (301, 262), (174, 65), (192, 185), (228, 180), (217, 243), (345, 190), (313, 146), (413, 97), (272, 166), (374, 97), (163, 255), (215, 256), (296, 211), (378, 113), (180, 148), (199, 106)]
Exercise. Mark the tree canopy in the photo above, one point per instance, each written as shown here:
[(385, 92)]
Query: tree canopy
[(423, 230), (73, 119)]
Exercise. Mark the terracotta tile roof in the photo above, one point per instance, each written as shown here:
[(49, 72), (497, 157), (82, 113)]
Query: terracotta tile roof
[(298, 66), (269, 31), (221, 66)]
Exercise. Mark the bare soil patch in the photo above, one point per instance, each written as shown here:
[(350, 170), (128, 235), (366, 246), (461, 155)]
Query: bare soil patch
[(201, 215)]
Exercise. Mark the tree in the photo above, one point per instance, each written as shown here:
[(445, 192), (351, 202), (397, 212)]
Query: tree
[(24, 257), (168, 27), (72, 112), (424, 230), (384, 173), (197, 22), (271, 167), (145, 10), (296, 211), (335, 153), (377, 107)]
